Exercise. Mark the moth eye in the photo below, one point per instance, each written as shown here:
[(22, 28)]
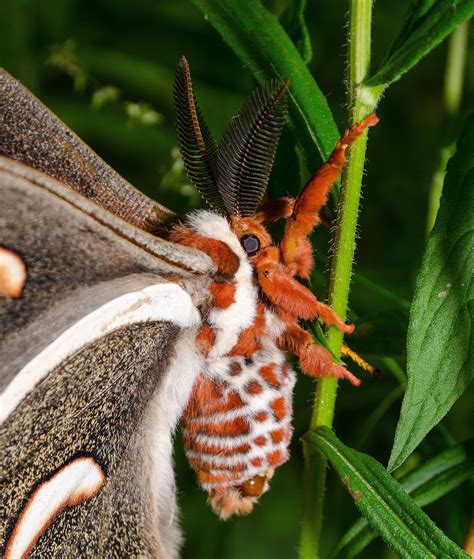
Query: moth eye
[(254, 486), (250, 243)]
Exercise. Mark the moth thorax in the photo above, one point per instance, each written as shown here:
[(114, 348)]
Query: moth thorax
[(236, 431)]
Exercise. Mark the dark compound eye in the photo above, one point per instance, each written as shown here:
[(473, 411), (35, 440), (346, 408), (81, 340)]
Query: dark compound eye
[(250, 243)]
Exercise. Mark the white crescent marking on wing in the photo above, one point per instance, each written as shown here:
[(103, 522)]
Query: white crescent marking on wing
[(163, 301), (74, 483)]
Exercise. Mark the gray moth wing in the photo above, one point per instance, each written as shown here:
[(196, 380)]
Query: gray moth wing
[(97, 359), (31, 133)]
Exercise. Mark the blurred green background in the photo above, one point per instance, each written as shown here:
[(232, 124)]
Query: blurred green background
[(106, 68)]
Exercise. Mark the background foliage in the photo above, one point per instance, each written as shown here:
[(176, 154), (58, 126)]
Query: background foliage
[(106, 68)]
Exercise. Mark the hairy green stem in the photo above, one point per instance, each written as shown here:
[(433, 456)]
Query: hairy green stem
[(360, 22), (452, 95)]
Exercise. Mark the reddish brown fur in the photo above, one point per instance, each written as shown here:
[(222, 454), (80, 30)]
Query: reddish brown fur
[(248, 342), (229, 501), (206, 477), (223, 294), (276, 458), (314, 360), (200, 464), (204, 448), (218, 405), (261, 416), (271, 210), (268, 373), (227, 262), (279, 408), (313, 197), (253, 387), (281, 288), (205, 390), (234, 428), (235, 369), (278, 435), (205, 339)]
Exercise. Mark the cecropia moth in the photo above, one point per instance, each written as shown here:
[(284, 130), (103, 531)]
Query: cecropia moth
[(118, 321)]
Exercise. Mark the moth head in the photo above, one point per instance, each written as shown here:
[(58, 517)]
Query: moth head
[(233, 176), (252, 234)]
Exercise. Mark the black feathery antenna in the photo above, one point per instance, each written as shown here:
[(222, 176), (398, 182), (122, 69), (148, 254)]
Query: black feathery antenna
[(198, 148), (247, 149)]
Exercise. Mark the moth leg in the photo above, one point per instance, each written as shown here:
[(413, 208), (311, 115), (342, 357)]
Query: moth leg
[(330, 318), (363, 364), (226, 261), (272, 210), (279, 285), (290, 295), (295, 246), (314, 359)]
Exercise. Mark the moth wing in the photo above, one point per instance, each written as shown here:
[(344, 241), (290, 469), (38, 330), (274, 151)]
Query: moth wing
[(32, 134), (97, 358)]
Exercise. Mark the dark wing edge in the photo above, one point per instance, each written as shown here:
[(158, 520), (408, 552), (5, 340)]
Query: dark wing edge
[(167, 256), (32, 134)]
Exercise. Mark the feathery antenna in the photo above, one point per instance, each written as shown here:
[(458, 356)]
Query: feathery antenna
[(198, 148), (247, 149)]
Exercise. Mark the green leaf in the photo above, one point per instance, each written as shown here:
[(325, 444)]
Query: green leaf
[(262, 44), (427, 23), (440, 341), (383, 502), (294, 23), (426, 484)]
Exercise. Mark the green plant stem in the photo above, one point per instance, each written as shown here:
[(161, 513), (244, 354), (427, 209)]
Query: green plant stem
[(360, 23), (452, 95)]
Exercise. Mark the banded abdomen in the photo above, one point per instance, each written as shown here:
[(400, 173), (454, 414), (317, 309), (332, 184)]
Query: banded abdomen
[(237, 426)]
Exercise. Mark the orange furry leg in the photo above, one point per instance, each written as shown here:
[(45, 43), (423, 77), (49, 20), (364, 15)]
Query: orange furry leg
[(329, 317), (281, 288), (271, 210), (227, 262), (314, 359), (313, 197)]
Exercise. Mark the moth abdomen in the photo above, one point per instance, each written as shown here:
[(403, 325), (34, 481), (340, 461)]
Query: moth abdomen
[(236, 430)]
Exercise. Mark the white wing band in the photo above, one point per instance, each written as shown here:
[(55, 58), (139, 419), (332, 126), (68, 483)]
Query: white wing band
[(160, 302)]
